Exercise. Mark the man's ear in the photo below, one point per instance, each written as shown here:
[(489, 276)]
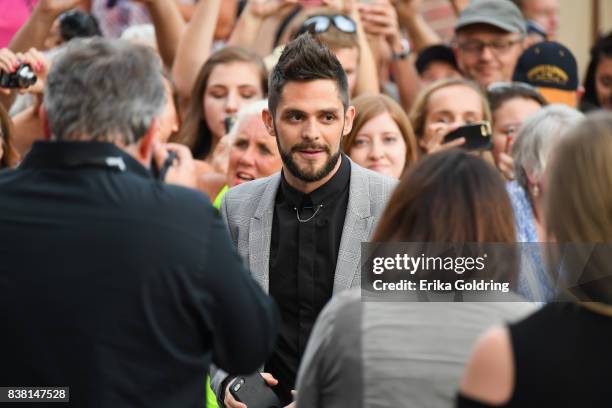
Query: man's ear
[(145, 144), (268, 121), (44, 121), (349, 116)]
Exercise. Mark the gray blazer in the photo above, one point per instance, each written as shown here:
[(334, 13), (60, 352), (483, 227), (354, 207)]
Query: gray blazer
[(248, 210)]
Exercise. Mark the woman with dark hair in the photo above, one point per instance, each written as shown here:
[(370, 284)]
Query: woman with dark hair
[(413, 351), (230, 79), (511, 103), (560, 356), (8, 155), (598, 79), (72, 24)]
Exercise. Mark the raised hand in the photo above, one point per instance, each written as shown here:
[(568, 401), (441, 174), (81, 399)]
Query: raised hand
[(57, 7), (9, 62), (380, 19), (434, 140), (40, 65), (343, 6), (266, 8)]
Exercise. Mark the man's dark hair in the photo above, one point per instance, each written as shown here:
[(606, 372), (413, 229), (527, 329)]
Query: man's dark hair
[(305, 59), (498, 95)]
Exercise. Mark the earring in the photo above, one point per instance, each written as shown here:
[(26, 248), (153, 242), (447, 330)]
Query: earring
[(535, 191)]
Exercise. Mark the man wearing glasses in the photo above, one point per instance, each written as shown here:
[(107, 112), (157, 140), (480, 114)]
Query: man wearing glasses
[(490, 37)]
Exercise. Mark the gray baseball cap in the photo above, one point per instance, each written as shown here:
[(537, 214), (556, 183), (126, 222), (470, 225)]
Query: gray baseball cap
[(502, 14)]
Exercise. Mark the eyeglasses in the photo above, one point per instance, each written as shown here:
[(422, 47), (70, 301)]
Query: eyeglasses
[(497, 47), (321, 23)]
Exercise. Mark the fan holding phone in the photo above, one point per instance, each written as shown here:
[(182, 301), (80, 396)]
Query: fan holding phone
[(451, 113)]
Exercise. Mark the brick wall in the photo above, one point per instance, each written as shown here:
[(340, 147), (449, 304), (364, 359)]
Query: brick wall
[(440, 16)]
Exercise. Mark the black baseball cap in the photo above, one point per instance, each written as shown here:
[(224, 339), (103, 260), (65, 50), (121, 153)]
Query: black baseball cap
[(439, 52), (552, 69)]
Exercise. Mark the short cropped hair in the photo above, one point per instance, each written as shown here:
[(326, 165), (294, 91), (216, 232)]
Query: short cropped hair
[(305, 59), (104, 90)]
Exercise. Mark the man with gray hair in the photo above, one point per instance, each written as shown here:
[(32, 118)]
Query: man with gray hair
[(119, 286)]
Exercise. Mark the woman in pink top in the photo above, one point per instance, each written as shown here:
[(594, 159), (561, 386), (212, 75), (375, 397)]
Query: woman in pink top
[(13, 14)]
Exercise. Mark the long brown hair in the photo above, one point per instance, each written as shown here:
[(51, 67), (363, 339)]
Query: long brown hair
[(195, 132), (578, 202), (369, 106), (450, 196), (578, 207), (10, 157)]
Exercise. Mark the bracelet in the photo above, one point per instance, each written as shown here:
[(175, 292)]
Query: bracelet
[(404, 53)]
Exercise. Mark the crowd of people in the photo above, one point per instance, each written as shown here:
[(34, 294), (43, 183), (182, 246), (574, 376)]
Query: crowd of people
[(188, 186)]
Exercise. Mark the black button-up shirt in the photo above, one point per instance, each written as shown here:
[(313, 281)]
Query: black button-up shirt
[(303, 262)]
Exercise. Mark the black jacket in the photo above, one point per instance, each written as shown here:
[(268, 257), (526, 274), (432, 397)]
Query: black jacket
[(119, 286)]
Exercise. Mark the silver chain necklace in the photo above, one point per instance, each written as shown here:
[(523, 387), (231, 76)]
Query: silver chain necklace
[(297, 214)]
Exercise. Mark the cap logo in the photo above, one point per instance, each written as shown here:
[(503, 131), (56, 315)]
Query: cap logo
[(548, 73)]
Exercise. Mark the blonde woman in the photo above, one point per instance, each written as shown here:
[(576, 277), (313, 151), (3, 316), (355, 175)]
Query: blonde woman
[(443, 107)]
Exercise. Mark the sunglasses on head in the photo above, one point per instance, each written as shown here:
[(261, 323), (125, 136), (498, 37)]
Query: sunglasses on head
[(321, 23)]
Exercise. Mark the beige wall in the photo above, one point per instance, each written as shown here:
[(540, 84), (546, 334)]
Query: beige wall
[(575, 27), (606, 15)]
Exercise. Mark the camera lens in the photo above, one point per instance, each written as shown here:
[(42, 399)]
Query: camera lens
[(25, 76)]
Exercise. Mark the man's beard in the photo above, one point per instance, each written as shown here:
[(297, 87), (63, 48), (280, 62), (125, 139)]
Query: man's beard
[(309, 176)]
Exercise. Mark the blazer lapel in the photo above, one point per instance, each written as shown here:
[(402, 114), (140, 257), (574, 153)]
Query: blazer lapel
[(260, 234), (357, 227)]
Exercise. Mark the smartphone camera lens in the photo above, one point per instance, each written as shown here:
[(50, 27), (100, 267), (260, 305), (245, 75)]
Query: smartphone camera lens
[(238, 384)]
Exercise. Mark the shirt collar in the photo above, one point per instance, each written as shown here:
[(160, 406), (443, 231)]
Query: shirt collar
[(45, 154), (327, 191)]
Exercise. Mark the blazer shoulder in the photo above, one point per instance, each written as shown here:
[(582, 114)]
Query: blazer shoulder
[(379, 185), (250, 194), (251, 189)]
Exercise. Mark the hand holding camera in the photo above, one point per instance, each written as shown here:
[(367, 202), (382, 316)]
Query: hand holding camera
[(25, 72)]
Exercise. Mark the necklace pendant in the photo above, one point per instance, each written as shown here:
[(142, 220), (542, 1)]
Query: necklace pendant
[(297, 214)]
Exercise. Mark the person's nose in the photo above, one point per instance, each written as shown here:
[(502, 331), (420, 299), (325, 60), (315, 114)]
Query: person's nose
[(311, 129), (457, 123), (487, 53), (376, 150), (248, 158), (231, 103)]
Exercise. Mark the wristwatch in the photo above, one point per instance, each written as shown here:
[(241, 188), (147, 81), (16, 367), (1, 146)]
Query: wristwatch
[(404, 53)]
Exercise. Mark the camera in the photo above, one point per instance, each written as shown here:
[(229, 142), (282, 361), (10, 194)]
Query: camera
[(23, 77)]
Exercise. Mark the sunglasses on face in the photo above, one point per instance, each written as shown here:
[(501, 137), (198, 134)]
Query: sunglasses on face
[(322, 23)]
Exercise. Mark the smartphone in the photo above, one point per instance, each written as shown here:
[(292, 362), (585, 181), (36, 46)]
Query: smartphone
[(253, 391), (478, 136), (160, 173), (229, 121)]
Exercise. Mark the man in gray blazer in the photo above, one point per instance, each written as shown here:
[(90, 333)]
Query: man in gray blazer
[(300, 231)]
